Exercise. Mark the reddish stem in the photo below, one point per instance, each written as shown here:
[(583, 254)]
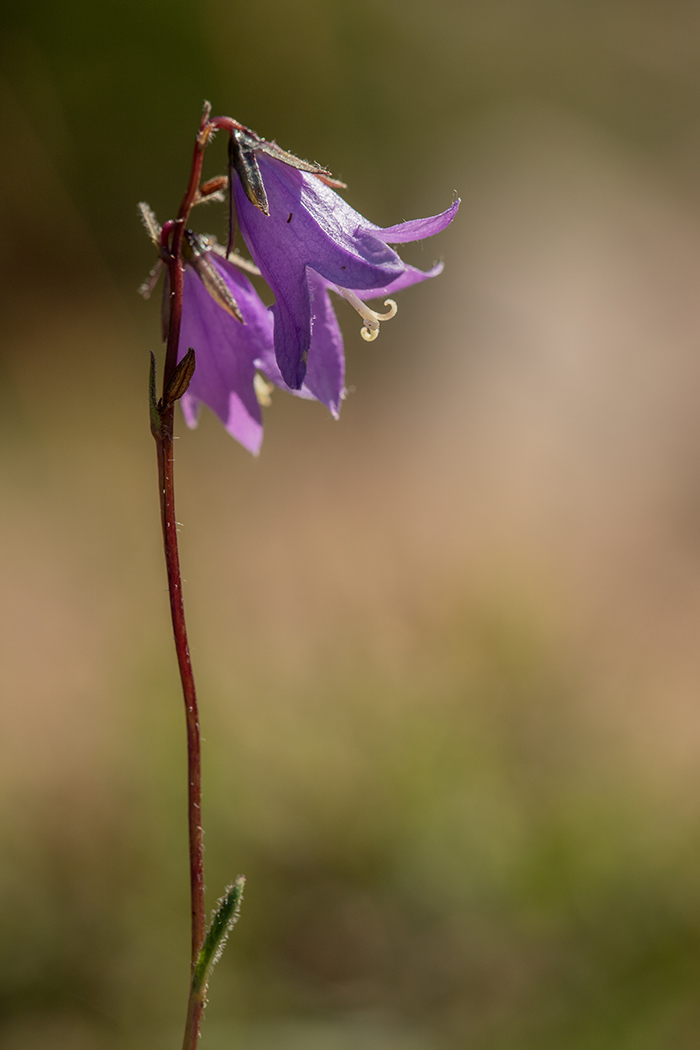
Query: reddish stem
[(163, 433), (175, 267), (164, 445), (227, 124)]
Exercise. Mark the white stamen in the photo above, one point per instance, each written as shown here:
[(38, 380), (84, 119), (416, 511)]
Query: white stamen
[(370, 329), (263, 390)]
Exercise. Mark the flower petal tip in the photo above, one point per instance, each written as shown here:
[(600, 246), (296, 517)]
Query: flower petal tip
[(250, 437), (191, 407)]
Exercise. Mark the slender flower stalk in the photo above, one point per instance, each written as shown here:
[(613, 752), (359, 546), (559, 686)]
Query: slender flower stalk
[(162, 423), (164, 444), (306, 242)]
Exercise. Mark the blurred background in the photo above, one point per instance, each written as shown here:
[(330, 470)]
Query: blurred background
[(447, 647)]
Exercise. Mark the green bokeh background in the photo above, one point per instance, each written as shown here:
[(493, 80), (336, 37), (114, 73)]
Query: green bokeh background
[(447, 648)]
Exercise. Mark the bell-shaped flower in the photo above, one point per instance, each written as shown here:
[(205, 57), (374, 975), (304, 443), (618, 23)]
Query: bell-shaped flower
[(231, 331), (295, 226), (226, 322)]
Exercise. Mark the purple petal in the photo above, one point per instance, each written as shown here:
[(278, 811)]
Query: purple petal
[(266, 362), (323, 229), (417, 229), (191, 407), (410, 276), (225, 353), (292, 328), (325, 376), (308, 225), (311, 228)]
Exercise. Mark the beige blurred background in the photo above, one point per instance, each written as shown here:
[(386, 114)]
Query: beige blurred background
[(447, 648)]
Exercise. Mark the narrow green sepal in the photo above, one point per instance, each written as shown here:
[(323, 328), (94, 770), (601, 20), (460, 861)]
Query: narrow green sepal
[(152, 402), (224, 918)]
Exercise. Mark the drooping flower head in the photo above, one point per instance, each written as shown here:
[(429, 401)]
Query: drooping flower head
[(227, 323), (225, 319), (306, 241), (297, 226)]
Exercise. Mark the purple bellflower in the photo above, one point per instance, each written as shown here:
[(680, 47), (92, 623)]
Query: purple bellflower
[(306, 241), (299, 230), (227, 323), (225, 319), (236, 359)]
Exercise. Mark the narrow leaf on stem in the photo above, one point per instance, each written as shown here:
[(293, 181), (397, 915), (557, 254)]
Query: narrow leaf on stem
[(223, 920)]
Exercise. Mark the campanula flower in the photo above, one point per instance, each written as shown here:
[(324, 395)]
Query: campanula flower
[(227, 324), (232, 358), (231, 329), (296, 226), (227, 341), (307, 243)]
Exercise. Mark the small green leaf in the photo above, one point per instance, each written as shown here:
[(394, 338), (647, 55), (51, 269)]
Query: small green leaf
[(223, 920)]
